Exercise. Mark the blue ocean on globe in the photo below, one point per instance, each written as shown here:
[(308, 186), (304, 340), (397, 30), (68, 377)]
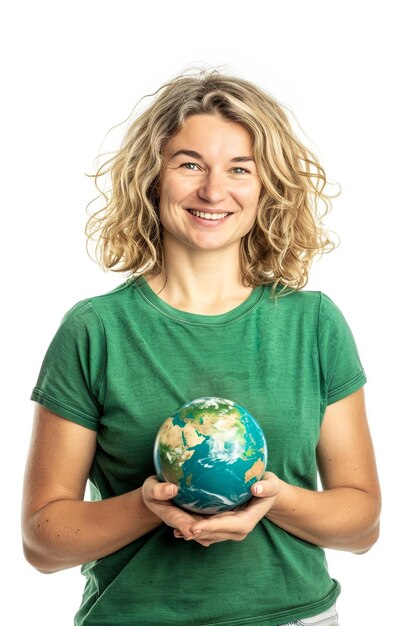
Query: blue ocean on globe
[(214, 450)]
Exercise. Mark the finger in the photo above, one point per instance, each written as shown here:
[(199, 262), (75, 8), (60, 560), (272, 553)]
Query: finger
[(164, 491), (208, 540), (187, 534), (267, 487), (159, 491), (182, 521), (221, 526), (235, 522)]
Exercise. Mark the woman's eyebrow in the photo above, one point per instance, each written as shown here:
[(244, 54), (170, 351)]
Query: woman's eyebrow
[(191, 153), (196, 155)]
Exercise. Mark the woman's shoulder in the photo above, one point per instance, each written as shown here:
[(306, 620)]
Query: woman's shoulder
[(99, 305), (295, 298), (300, 297), (304, 303), (109, 298)]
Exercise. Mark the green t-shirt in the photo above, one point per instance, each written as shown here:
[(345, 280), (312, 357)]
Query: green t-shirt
[(121, 363)]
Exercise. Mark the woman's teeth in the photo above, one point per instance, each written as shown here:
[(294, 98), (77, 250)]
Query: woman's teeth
[(208, 216)]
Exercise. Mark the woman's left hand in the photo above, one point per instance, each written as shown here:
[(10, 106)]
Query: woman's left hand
[(235, 525)]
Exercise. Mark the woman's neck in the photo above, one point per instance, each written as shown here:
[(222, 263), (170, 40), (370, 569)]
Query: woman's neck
[(203, 282)]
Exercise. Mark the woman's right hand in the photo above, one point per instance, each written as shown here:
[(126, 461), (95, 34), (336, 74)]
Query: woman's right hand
[(156, 497)]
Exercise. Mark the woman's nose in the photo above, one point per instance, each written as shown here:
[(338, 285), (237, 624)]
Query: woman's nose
[(212, 189)]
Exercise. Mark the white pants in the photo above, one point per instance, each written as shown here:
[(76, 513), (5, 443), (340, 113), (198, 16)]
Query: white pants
[(327, 618)]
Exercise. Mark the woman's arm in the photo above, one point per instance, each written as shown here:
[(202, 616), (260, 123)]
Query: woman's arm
[(59, 529), (345, 515)]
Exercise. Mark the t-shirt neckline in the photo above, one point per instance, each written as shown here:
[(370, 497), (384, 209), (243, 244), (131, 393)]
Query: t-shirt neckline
[(178, 315)]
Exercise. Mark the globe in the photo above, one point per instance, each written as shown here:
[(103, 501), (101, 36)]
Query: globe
[(214, 450)]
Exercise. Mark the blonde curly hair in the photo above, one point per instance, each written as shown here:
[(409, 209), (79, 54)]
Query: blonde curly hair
[(288, 231)]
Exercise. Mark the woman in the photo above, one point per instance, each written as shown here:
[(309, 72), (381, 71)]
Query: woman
[(214, 212)]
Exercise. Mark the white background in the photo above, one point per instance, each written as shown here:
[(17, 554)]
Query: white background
[(73, 70)]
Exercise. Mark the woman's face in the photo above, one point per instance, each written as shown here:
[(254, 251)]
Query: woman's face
[(209, 187)]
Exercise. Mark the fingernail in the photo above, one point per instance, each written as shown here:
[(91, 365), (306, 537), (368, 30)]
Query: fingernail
[(258, 489), (170, 490), (196, 532)]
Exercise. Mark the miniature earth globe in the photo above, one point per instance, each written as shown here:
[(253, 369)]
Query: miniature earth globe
[(214, 450)]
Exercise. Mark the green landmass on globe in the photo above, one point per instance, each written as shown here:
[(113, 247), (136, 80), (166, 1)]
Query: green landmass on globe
[(214, 450)]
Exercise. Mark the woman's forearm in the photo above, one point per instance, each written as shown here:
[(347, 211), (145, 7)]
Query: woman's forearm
[(342, 518), (67, 533)]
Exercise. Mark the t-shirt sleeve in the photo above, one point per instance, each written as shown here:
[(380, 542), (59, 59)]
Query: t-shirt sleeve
[(72, 372), (341, 367)]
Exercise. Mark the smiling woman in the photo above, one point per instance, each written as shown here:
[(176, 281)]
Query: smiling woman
[(214, 211), (292, 200)]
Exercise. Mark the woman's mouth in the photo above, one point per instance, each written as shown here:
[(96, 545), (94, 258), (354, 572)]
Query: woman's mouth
[(208, 216)]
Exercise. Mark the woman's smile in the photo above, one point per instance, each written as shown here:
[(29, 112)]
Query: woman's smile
[(208, 218)]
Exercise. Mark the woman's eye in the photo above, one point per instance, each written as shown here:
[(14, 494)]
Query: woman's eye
[(241, 170), (190, 166)]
